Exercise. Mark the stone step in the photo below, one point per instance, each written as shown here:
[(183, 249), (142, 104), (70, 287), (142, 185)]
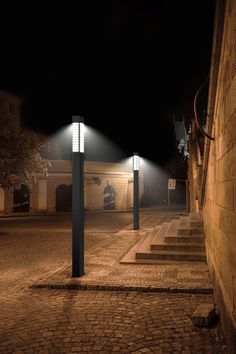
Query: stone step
[(173, 227), (189, 231), (195, 217), (151, 236), (195, 220), (199, 238), (161, 231), (175, 241), (178, 246), (191, 222), (148, 237), (183, 228), (163, 261), (192, 217), (156, 230), (172, 255)]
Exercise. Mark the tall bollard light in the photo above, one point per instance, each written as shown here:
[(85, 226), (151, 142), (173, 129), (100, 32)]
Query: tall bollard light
[(136, 165), (77, 196)]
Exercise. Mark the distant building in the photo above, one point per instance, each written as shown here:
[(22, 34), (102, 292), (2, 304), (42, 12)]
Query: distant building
[(107, 185), (10, 111)]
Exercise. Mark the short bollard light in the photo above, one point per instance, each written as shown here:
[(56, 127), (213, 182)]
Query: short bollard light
[(77, 196), (136, 165)]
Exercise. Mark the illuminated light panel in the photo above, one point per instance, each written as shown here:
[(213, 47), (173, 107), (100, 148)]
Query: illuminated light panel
[(136, 162), (77, 137)]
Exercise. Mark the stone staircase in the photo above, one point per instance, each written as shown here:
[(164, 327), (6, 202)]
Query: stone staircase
[(179, 240)]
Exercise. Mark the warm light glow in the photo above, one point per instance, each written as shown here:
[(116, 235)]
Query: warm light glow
[(77, 137), (136, 162)]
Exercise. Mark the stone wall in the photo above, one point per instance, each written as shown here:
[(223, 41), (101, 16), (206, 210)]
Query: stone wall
[(219, 208), (43, 195)]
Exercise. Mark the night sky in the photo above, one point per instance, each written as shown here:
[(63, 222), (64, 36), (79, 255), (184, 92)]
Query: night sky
[(128, 67)]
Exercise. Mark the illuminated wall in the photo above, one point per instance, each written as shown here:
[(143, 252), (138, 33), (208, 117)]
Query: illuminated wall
[(107, 186), (219, 208)]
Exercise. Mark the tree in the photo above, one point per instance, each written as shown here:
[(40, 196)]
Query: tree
[(20, 159)]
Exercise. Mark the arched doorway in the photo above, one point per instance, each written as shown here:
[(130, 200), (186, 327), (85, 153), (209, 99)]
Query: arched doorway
[(64, 198), (109, 197), (21, 199)]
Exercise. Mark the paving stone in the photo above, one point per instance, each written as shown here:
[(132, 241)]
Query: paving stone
[(47, 320), (204, 315)]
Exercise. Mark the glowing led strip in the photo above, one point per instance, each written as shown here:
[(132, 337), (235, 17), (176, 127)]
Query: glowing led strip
[(77, 137)]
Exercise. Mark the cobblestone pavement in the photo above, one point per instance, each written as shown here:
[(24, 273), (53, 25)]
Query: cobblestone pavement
[(32, 247), (57, 321), (103, 271), (71, 321)]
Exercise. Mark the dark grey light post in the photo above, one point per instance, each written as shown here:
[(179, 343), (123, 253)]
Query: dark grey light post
[(136, 163), (77, 196)]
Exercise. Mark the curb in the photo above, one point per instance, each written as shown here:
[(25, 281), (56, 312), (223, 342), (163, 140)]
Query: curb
[(99, 211), (107, 287), (18, 215)]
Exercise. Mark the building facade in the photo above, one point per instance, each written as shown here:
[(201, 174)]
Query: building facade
[(10, 111), (107, 185)]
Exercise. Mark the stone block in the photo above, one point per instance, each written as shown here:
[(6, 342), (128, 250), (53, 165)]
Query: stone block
[(227, 223), (225, 194), (228, 165), (213, 211), (204, 315), (231, 97)]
